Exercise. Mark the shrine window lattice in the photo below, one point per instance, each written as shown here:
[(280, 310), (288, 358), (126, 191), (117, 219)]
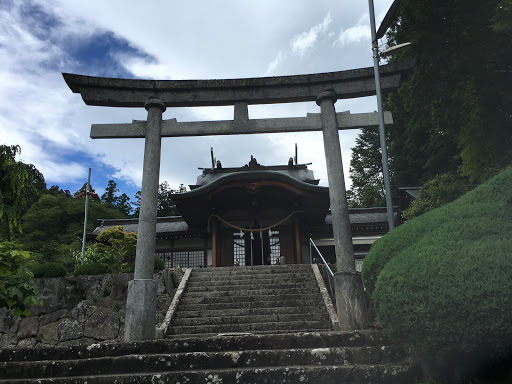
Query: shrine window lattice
[(240, 243), (183, 259)]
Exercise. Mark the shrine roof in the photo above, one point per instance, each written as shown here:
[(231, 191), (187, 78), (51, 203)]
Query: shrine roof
[(176, 225), (296, 171)]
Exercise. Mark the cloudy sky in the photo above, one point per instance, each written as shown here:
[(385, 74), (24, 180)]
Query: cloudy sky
[(164, 39)]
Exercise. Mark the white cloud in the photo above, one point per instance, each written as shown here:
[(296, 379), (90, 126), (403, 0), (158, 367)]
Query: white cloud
[(222, 40), (306, 40), (357, 33), (274, 64)]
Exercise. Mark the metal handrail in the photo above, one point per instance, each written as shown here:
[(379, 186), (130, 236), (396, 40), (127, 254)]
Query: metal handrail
[(311, 242), (331, 277)]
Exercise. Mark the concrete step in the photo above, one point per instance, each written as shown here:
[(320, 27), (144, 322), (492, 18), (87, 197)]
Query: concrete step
[(255, 269), (292, 326), (242, 290), (249, 276), (244, 285), (357, 374), (200, 343), (278, 300), (251, 273), (244, 319), (294, 302), (306, 279), (203, 361), (242, 312)]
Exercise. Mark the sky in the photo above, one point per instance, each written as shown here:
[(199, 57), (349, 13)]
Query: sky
[(168, 40)]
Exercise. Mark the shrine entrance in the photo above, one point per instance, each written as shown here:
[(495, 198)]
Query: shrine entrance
[(256, 248), (157, 95)]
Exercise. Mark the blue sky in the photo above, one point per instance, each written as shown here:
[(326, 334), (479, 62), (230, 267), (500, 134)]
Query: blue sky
[(166, 40)]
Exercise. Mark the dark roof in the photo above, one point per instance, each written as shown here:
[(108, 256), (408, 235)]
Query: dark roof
[(299, 172), (414, 192), (171, 224), (177, 225), (277, 189)]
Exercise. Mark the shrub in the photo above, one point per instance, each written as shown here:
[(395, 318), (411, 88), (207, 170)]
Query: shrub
[(49, 270), (442, 280), (159, 264), (17, 291), (115, 248), (91, 269)]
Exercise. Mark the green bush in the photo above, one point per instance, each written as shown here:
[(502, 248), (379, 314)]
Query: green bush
[(91, 269), (51, 269), (442, 280), (159, 264)]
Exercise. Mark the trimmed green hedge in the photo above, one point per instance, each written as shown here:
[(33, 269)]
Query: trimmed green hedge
[(443, 280), (159, 264), (49, 270), (91, 269)]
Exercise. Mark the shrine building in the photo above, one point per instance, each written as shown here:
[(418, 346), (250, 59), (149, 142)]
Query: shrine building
[(255, 215)]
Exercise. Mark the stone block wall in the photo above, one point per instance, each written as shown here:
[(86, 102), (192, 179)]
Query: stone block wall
[(81, 310)]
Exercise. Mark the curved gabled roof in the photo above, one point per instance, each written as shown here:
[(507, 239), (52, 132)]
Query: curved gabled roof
[(238, 190)]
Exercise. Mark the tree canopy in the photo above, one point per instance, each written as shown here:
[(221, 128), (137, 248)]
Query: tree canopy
[(19, 187), (454, 113)]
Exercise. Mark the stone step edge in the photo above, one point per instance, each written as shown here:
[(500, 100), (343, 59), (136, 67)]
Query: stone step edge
[(292, 326), (186, 313), (220, 320), (394, 371), (356, 355), (203, 342)]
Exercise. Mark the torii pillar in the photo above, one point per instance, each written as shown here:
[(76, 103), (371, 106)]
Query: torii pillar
[(142, 291), (348, 287)]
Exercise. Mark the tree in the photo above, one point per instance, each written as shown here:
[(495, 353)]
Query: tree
[(366, 172), (54, 226), (454, 113), (123, 204), (136, 203), (439, 191), (17, 292), (109, 198), (93, 196), (116, 248), (20, 184), (166, 206)]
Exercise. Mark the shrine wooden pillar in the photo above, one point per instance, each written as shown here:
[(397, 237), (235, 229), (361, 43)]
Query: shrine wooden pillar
[(215, 243), (298, 252)]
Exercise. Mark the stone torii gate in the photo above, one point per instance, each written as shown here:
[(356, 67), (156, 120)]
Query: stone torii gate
[(156, 95)]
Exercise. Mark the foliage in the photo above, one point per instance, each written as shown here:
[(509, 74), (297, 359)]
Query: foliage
[(116, 248), (159, 264), (453, 113), (19, 187), (54, 226), (166, 206), (49, 270), (109, 198), (112, 200), (366, 172), (17, 292), (92, 268), (442, 281), (441, 190)]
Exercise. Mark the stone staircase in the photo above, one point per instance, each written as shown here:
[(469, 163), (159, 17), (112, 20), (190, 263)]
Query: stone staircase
[(251, 299), (310, 357), (232, 325)]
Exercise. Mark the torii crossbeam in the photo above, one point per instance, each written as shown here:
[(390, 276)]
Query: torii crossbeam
[(157, 95)]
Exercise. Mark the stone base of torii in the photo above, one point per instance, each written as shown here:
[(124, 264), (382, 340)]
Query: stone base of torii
[(157, 95)]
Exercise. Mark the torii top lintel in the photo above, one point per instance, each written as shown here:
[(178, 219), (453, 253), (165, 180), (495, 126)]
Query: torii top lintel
[(112, 92)]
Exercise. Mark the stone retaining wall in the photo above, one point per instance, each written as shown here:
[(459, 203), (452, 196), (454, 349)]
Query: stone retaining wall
[(81, 310)]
